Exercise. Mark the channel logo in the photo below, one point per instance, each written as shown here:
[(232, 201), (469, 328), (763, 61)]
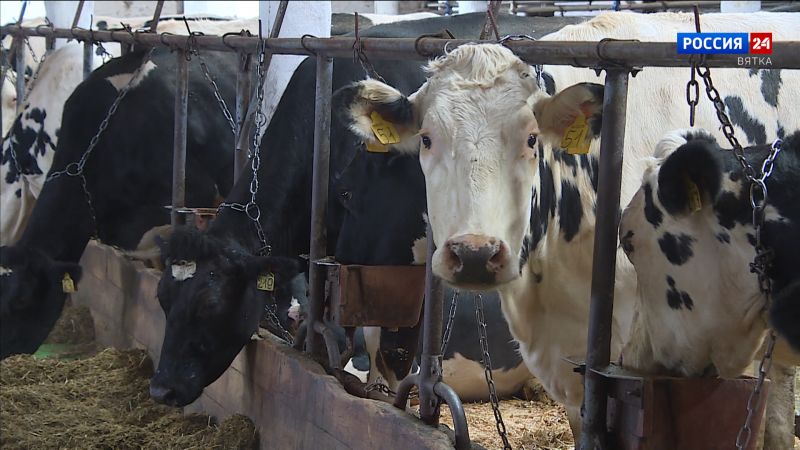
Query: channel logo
[(725, 43)]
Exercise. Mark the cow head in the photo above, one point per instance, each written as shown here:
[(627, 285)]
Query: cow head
[(32, 295), (213, 306), (479, 124), (689, 235)]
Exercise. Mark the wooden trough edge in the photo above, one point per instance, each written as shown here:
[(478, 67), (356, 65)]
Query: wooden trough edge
[(291, 400)]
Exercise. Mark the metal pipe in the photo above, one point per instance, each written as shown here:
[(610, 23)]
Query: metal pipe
[(785, 55), (245, 133), (179, 151), (625, 6), (78, 11), (19, 66), (460, 426), (598, 354), (88, 55), (156, 17), (243, 85), (430, 366), (334, 357), (319, 198)]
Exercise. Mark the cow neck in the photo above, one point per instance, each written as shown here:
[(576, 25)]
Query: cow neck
[(61, 224), (565, 188)]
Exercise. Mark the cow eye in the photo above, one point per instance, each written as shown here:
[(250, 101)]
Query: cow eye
[(426, 142), (346, 195), (531, 140)]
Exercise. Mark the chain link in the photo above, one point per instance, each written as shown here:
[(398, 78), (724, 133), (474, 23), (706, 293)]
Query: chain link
[(75, 168), (763, 259), (272, 317), (448, 328), (194, 51), (487, 370), (251, 208)]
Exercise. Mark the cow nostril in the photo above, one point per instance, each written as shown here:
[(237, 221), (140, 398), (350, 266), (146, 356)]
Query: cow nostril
[(498, 259), (162, 394)]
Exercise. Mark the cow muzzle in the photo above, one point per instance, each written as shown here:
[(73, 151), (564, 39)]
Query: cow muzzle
[(477, 261)]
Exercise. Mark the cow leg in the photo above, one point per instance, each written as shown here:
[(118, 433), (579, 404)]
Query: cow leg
[(779, 420)]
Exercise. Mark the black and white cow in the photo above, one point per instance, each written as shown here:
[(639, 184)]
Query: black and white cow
[(128, 176), (688, 233), (27, 151), (510, 209), (284, 198)]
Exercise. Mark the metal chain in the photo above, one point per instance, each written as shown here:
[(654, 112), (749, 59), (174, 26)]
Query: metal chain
[(487, 370), (746, 432), (251, 208), (194, 51), (272, 318), (380, 386), (448, 328), (758, 202), (75, 169)]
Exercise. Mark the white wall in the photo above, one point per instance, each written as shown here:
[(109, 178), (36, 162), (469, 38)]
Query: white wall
[(62, 14), (302, 17), (222, 8)]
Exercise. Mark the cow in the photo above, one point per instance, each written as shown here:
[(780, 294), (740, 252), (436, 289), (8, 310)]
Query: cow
[(9, 100), (28, 148), (378, 186), (128, 176), (688, 232), (284, 198), (510, 210)]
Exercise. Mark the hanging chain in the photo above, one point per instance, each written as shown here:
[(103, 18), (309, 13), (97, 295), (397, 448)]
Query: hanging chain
[(194, 51), (272, 317), (360, 56), (448, 328), (251, 208), (487, 370), (75, 168), (758, 202)]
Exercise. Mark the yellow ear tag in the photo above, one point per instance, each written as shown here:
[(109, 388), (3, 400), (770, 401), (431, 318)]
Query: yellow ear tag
[(67, 285), (695, 201), (266, 282), (383, 130), (375, 147), (574, 139)]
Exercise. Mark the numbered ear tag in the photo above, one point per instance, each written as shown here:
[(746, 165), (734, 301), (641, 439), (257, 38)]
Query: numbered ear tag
[(67, 285), (384, 131), (266, 282), (574, 139), (375, 147), (183, 270), (695, 200)]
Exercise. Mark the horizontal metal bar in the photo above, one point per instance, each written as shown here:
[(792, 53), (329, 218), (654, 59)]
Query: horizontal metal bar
[(785, 55), (671, 5)]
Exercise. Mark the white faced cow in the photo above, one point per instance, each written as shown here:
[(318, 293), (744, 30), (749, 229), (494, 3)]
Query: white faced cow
[(512, 211)]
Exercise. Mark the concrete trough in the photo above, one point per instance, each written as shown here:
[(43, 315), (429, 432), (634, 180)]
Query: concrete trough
[(291, 400)]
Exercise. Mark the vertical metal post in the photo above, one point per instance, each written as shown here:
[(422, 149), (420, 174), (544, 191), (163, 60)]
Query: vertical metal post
[(88, 56), (242, 103), (156, 17), (19, 66), (430, 368), (598, 355), (319, 200), (179, 151)]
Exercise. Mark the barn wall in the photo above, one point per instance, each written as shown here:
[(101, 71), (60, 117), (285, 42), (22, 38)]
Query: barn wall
[(293, 403)]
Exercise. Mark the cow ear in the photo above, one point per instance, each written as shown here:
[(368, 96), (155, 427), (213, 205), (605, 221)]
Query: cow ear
[(691, 176), (784, 313), (557, 114), (378, 114)]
